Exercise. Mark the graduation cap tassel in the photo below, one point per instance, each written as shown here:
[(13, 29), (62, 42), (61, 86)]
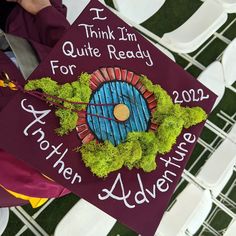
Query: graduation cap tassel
[(5, 82)]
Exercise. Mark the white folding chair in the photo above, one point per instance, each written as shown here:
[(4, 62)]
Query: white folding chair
[(197, 29), (229, 5), (229, 120), (74, 8), (4, 217), (138, 10), (187, 214), (218, 169), (85, 219), (213, 78), (229, 64), (231, 231)]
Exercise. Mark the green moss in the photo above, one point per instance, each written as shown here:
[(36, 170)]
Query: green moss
[(140, 148), (131, 153), (193, 116), (77, 91), (164, 101), (68, 121), (81, 90), (101, 158), (148, 143), (47, 85), (167, 133), (65, 91), (148, 163), (139, 151), (166, 107)]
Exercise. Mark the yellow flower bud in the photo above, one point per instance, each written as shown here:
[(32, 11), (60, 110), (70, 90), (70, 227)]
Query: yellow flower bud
[(2, 83), (12, 86)]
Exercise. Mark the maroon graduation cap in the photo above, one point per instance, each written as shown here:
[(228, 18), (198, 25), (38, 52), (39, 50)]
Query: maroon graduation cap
[(101, 44)]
